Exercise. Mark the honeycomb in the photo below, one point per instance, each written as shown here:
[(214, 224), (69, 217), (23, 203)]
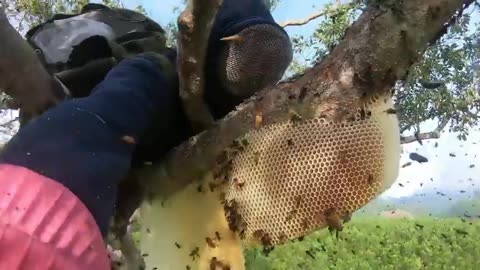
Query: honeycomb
[(295, 178)]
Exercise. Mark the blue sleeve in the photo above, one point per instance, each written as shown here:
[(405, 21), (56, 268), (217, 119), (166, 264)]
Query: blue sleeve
[(81, 143)]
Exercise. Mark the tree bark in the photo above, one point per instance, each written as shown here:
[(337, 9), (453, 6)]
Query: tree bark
[(194, 26)]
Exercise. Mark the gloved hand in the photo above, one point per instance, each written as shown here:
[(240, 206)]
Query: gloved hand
[(86, 144)]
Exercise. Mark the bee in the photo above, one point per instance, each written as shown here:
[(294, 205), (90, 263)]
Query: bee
[(222, 157), (295, 117), (462, 232), (238, 184), (333, 220), (291, 214), (283, 237), (218, 236), (264, 237), (178, 245), (222, 198), (195, 253), (214, 263), (256, 157), (363, 114), (298, 201), (258, 119), (210, 242), (212, 186), (347, 216), (234, 219), (370, 180), (294, 211), (406, 164), (236, 145), (305, 224), (309, 253), (391, 111)]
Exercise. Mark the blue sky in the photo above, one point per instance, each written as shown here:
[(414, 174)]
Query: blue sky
[(162, 11)]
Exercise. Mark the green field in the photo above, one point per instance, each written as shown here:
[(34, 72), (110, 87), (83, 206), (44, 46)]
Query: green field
[(380, 243)]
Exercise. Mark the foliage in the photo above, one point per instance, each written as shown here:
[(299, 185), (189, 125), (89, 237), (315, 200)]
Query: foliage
[(451, 63), (380, 244)]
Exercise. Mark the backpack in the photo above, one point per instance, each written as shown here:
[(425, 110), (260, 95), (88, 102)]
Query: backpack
[(81, 48)]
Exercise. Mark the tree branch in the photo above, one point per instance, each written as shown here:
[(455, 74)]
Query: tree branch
[(194, 26), (313, 16), (376, 51), (434, 134), (22, 76)]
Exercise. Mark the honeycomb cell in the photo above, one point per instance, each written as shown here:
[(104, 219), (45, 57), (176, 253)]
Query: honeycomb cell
[(326, 164)]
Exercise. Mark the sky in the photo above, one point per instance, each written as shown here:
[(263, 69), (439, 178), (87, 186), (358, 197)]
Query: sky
[(448, 173)]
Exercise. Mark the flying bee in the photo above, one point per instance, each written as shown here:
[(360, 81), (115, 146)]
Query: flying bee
[(238, 183), (210, 242)]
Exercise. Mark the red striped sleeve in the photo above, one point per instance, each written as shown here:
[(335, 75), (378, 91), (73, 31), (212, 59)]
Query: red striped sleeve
[(45, 226)]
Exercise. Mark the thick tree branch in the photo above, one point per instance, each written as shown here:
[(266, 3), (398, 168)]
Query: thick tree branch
[(376, 51), (313, 16), (22, 76), (194, 26), (434, 134)]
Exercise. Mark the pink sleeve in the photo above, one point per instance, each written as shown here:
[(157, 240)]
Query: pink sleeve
[(45, 226)]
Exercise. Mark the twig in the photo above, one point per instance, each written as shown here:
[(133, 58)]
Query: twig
[(434, 134), (312, 16), (194, 26)]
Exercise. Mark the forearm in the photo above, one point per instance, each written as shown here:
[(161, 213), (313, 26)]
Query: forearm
[(81, 143)]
